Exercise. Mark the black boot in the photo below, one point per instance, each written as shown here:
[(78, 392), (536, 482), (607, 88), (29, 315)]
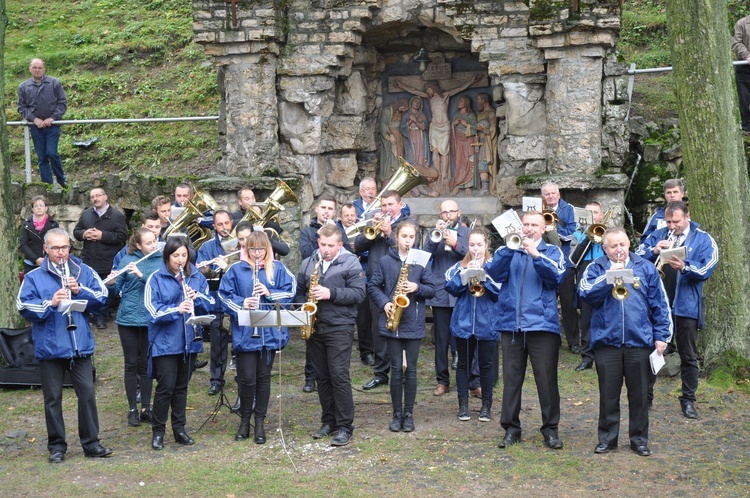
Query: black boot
[(463, 409), (260, 431), (237, 405), (395, 424), (243, 432), (485, 411)]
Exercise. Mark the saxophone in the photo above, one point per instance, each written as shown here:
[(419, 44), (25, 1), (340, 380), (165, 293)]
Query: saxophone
[(400, 300), (310, 306)]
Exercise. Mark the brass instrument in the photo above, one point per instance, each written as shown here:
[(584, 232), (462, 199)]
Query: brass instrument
[(255, 334), (476, 289), (282, 194), (403, 180), (551, 219), (400, 299), (595, 231), (199, 204), (196, 335), (660, 261), (514, 240), (310, 306), (619, 291), (373, 231)]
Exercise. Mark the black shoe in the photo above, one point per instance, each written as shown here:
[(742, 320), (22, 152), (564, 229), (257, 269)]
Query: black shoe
[(688, 409), (63, 184), (605, 447), (325, 430), (553, 442), (98, 451), (395, 425), (508, 440), (146, 415), (56, 457), (133, 419), (485, 411), (200, 363), (454, 363), (157, 442), (375, 382), (368, 360), (463, 409), (183, 438), (407, 424), (138, 396), (640, 449), (309, 386), (575, 349), (585, 365), (243, 432), (260, 431), (342, 438), (100, 322), (214, 389)]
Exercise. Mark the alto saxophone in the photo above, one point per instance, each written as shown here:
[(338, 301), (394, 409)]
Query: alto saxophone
[(400, 300), (310, 306)]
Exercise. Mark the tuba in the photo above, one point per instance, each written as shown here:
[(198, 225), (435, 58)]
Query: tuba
[(199, 204), (403, 180), (400, 300), (274, 204), (310, 306)]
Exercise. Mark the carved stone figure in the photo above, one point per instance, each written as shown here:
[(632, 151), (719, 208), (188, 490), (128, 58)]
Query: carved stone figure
[(463, 136), (487, 134), (391, 139), (415, 129)]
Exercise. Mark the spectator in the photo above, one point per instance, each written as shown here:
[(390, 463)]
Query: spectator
[(33, 231), (741, 49)]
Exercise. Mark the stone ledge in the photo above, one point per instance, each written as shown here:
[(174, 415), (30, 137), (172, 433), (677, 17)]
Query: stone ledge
[(610, 181)]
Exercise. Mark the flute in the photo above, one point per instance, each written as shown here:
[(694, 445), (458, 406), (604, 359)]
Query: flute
[(203, 264), (116, 273)]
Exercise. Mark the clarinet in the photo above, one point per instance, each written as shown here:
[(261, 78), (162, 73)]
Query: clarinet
[(196, 335), (255, 335), (64, 278)]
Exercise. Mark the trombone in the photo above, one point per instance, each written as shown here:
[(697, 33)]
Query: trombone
[(595, 231)]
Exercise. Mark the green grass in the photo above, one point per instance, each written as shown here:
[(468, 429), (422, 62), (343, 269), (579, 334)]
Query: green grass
[(117, 59)]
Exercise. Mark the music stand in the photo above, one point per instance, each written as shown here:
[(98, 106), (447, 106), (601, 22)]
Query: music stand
[(222, 400)]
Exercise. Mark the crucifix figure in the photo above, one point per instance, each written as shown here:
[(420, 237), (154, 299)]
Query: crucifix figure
[(234, 11)]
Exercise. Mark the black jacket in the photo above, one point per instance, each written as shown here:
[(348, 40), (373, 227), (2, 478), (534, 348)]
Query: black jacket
[(346, 281), (280, 248), (32, 242), (379, 247), (99, 254), (308, 238)]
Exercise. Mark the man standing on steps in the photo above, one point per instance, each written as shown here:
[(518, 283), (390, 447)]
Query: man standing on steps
[(741, 49)]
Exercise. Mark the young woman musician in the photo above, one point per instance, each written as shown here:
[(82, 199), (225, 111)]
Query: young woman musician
[(132, 322), (256, 282), (471, 324), (405, 336), (173, 293)]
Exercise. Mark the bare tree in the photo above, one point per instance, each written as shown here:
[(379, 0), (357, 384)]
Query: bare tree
[(714, 164)]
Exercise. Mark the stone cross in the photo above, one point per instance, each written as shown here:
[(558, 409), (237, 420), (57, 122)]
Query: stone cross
[(234, 11)]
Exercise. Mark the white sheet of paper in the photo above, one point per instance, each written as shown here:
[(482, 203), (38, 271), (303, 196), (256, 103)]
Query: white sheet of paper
[(680, 252), (175, 212), (531, 204), (507, 222), (468, 273), (243, 318), (200, 320), (418, 257), (78, 305), (584, 217), (657, 361)]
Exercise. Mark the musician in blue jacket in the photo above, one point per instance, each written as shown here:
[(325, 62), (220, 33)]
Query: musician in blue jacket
[(173, 293), (256, 283), (471, 325), (624, 332), (529, 327), (64, 342), (674, 190), (683, 280), (408, 333)]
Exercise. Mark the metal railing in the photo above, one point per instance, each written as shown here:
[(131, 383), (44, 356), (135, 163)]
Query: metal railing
[(27, 133)]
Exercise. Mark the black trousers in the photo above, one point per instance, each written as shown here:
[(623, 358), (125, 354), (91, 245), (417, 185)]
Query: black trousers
[(742, 77), (543, 349), (403, 385), (686, 335), (587, 354), (612, 364), (81, 372), (364, 328), (254, 381), (172, 378), (134, 342), (379, 346), (567, 293), (475, 352), (219, 349), (330, 351)]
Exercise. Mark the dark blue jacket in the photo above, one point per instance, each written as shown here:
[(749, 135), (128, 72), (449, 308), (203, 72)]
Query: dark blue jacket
[(653, 224), (442, 260), (48, 326), (567, 226), (167, 332), (472, 316), (380, 245), (635, 322), (382, 286), (528, 297), (237, 285), (130, 288), (702, 256), (209, 250)]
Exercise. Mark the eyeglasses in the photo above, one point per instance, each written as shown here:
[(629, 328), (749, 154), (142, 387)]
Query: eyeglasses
[(446, 213), (256, 249), (59, 248)]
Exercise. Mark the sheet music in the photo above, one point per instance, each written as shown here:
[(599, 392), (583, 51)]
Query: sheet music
[(657, 361), (531, 204), (418, 257), (175, 212), (507, 222), (200, 320), (67, 305), (584, 217), (243, 318), (680, 252), (468, 273)]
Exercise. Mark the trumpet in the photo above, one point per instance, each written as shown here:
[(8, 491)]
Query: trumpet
[(619, 291), (437, 234), (514, 240), (551, 219), (373, 231), (255, 334), (196, 335), (476, 289), (660, 261)]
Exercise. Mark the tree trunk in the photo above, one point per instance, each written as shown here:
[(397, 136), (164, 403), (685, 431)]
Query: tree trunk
[(714, 165), (9, 317)]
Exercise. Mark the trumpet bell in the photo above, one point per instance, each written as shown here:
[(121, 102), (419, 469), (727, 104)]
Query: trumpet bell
[(620, 292), (513, 241), (550, 218), (476, 290), (595, 232), (436, 235)]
